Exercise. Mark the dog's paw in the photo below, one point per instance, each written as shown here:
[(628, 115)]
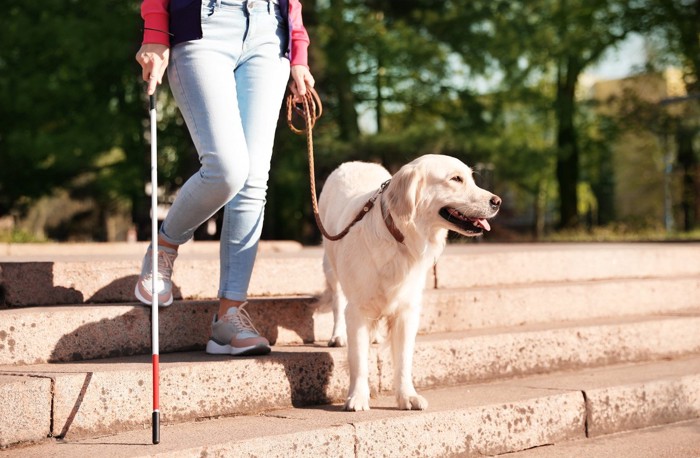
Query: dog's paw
[(338, 341), (357, 403), (412, 402)]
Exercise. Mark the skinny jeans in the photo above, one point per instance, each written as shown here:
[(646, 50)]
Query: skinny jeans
[(229, 87)]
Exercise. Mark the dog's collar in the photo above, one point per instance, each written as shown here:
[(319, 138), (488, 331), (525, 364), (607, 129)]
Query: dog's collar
[(386, 216)]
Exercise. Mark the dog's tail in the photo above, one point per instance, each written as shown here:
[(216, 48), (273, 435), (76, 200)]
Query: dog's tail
[(380, 334), (324, 300)]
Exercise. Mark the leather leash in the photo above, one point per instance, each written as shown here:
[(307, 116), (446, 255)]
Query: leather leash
[(310, 110)]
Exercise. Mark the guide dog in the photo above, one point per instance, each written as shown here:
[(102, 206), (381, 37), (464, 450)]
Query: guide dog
[(377, 271)]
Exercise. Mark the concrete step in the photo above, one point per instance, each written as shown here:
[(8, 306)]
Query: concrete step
[(492, 312), (463, 266), (676, 440), (469, 420), (87, 331), (111, 278), (124, 250), (110, 395), (105, 276), (456, 309)]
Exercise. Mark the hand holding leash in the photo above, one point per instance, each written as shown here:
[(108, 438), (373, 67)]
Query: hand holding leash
[(310, 109)]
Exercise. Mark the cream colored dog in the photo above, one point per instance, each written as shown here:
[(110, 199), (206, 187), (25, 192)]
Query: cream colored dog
[(378, 270)]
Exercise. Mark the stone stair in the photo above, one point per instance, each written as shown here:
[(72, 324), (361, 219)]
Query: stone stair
[(521, 346)]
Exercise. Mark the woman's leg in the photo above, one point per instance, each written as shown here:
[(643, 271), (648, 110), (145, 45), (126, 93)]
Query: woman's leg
[(261, 78), (201, 75)]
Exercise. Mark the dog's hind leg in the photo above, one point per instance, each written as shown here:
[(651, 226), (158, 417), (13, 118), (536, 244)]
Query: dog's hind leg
[(358, 356), (403, 329), (338, 303)]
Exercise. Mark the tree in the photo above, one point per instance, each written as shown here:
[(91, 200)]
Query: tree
[(522, 47), (675, 26), (73, 114), (70, 106), (559, 39), (490, 82), (336, 38)]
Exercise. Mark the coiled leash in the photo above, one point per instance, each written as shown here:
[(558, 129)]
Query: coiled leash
[(310, 109)]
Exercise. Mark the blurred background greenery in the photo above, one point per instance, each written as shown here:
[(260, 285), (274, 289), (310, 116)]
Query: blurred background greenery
[(506, 86)]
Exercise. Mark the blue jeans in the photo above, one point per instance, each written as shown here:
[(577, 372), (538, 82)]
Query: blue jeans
[(229, 87)]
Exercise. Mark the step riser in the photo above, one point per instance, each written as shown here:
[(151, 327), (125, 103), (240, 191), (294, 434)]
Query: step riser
[(588, 262), (61, 334), (89, 332), (465, 433), (52, 283), (48, 283), (481, 358), (114, 400), (474, 431), (25, 403), (611, 410), (447, 310), (501, 418), (481, 432), (110, 401)]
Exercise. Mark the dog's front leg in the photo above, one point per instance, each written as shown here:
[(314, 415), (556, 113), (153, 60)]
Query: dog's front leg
[(358, 328), (403, 338)]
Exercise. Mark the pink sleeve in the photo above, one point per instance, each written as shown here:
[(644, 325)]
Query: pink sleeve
[(155, 21), (299, 37)]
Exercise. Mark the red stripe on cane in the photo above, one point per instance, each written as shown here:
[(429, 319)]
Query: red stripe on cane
[(156, 376)]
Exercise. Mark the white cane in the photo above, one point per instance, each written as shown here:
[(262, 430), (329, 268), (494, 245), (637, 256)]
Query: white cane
[(155, 418)]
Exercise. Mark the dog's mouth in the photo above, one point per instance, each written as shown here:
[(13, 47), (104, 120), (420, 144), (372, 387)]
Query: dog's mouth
[(468, 224)]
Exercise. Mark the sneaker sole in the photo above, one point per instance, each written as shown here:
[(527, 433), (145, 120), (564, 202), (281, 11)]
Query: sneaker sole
[(161, 302), (214, 348)]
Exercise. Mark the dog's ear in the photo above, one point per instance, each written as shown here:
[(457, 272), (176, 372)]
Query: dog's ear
[(404, 192)]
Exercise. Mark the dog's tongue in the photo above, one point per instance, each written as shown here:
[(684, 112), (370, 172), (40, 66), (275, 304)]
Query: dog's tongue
[(482, 223)]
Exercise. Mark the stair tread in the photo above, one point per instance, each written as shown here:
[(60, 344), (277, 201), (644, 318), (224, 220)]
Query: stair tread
[(109, 391), (320, 346), (676, 440), (87, 331), (104, 277), (491, 418), (579, 339)]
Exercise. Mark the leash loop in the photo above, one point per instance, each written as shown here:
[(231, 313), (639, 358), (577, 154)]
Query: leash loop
[(310, 109)]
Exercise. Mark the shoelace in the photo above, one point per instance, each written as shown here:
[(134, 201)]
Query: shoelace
[(241, 319), (165, 265)]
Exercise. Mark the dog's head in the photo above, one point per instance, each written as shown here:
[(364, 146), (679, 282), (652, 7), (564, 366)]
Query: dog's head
[(437, 190)]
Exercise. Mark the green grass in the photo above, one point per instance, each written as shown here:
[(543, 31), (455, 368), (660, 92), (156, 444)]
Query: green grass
[(621, 234), (19, 236)]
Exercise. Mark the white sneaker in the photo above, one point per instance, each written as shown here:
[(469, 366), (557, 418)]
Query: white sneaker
[(234, 334), (166, 258)]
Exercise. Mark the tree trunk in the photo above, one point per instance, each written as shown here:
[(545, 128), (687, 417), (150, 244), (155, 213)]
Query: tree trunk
[(339, 75), (567, 147), (604, 189), (688, 164), (540, 210), (378, 88)]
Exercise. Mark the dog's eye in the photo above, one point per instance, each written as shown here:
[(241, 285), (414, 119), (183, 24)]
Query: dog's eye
[(457, 178)]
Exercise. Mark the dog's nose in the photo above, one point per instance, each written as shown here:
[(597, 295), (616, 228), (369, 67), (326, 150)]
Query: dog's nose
[(495, 202)]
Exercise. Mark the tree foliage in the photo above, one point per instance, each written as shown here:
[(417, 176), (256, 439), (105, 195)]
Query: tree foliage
[(491, 82), (69, 106)]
